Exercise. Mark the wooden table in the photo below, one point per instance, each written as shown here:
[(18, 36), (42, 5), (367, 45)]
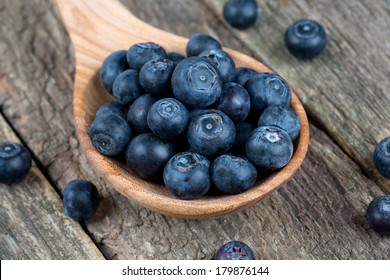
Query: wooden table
[(319, 214)]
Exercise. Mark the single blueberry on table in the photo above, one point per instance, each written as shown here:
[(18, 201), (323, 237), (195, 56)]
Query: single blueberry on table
[(266, 89), (269, 147), (240, 14), (223, 62), (305, 38), (138, 112), (140, 53), (113, 107), (126, 87), (233, 174), (147, 154), (382, 157), (234, 102), (283, 117), (112, 66), (378, 214), (155, 75), (168, 118), (175, 57), (234, 250), (81, 199), (15, 162), (243, 74), (110, 134), (196, 82), (211, 133), (201, 42), (187, 175)]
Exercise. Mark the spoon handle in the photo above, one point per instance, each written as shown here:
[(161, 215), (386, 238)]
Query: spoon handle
[(94, 25)]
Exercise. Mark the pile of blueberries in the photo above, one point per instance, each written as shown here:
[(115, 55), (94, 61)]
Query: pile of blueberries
[(194, 122)]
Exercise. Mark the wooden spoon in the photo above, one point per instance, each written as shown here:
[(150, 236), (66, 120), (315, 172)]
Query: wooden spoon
[(100, 27)]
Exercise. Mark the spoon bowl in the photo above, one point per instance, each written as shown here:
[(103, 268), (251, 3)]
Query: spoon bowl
[(98, 28)]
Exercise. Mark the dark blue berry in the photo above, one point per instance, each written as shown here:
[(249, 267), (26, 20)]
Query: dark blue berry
[(240, 14), (155, 75), (112, 66), (211, 133), (110, 134), (234, 102), (81, 199), (139, 54), (113, 107), (196, 82), (187, 175), (126, 87), (223, 62), (382, 157), (147, 155), (234, 250), (266, 89), (283, 117), (138, 112), (305, 38), (201, 42), (243, 130), (243, 74), (378, 214), (269, 147), (15, 162), (233, 174), (168, 118), (175, 57)]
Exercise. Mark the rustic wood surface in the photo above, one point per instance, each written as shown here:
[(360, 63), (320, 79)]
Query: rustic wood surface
[(319, 214)]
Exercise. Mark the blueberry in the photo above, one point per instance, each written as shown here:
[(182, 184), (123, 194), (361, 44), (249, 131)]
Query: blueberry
[(201, 42), (112, 66), (187, 175), (175, 57), (168, 118), (113, 107), (269, 147), (233, 174), (196, 82), (147, 154), (81, 199), (211, 133), (15, 162), (110, 134), (126, 87), (155, 75), (140, 53), (240, 14), (266, 89), (138, 112), (223, 62), (234, 102), (234, 250), (305, 38), (382, 157), (378, 214), (243, 74), (243, 131), (283, 117)]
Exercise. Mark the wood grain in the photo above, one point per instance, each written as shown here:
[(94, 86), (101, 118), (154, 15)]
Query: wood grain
[(320, 214), (32, 223), (345, 89)]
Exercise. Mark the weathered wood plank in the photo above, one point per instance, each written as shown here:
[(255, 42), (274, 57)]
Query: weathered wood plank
[(345, 90), (318, 215), (32, 223)]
